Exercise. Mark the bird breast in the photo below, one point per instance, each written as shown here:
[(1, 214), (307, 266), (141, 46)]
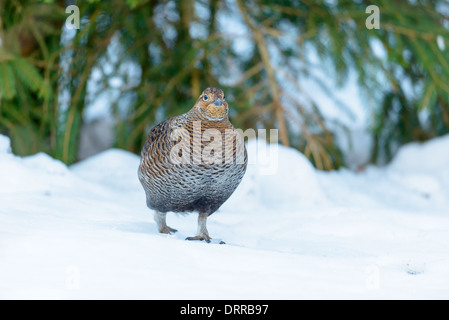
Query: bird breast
[(191, 160)]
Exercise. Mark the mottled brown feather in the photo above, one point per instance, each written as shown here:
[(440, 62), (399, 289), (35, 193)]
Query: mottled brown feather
[(194, 186)]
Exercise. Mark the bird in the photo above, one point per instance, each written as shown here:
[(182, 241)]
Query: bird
[(193, 162)]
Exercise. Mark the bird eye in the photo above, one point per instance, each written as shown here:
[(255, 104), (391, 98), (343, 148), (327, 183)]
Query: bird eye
[(205, 97)]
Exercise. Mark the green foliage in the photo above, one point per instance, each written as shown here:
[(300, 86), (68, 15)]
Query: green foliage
[(177, 48)]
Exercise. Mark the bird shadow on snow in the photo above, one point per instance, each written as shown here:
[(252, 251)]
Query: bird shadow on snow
[(150, 228), (137, 227)]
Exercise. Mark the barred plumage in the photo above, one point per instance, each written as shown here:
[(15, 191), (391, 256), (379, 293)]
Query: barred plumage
[(193, 162)]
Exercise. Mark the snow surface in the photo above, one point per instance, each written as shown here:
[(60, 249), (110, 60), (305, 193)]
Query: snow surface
[(84, 232)]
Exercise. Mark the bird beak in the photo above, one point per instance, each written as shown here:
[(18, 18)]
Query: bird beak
[(218, 102)]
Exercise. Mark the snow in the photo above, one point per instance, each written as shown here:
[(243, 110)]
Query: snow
[(84, 232)]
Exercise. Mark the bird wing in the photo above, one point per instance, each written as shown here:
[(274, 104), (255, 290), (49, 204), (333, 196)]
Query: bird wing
[(156, 133)]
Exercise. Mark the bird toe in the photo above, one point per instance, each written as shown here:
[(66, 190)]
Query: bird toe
[(168, 230), (200, 237)]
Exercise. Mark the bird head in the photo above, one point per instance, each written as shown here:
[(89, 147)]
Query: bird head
[(212, 104)]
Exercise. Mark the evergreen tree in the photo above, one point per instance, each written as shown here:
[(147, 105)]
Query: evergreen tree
[(180, 47)]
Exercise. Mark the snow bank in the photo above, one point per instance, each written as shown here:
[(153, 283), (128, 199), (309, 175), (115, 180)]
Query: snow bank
[(29, 174), (84, 231), (424, 168), (114, 167), (430, 157), (5, 145), (276, 177)]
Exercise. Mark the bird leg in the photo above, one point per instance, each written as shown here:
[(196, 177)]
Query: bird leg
[(202, 233), (160, 218)]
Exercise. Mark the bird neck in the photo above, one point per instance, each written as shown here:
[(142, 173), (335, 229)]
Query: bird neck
[(196, 114)]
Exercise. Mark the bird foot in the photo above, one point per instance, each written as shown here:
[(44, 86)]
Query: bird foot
[(167, 230), (204, 237), (207, 239)]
